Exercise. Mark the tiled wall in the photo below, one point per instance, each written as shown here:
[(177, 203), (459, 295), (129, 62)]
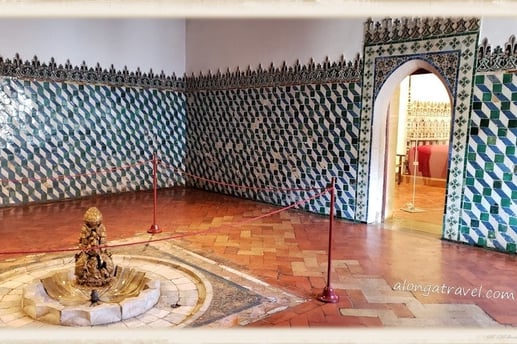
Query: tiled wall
[(489, 214), (285, 128), (280, 136), (57, 138)]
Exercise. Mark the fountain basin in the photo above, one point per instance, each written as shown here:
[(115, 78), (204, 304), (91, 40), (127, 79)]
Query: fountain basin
[(57, 300)]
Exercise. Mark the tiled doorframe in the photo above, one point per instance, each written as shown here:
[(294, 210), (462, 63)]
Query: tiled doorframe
[(447, 45), (380, 135)]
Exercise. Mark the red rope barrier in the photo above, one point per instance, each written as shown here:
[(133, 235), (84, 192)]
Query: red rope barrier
[(237, 186), (57, 250), (62, 177), (155, 160), (177, 236)]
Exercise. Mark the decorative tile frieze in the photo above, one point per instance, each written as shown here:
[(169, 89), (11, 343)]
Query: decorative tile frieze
[(397, 30), (311, 73), (35, 70), (447, 62), (500, 58)]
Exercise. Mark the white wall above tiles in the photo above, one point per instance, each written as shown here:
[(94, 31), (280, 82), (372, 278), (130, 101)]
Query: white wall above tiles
[(223, 43), (498, 29), (146, 43), (228, 43), (178, 45), (255, 8)]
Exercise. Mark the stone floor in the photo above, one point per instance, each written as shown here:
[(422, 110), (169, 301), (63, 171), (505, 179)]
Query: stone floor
[(383, 277), (195, 291)]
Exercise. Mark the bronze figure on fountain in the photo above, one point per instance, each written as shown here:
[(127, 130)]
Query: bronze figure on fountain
[(93, 264)]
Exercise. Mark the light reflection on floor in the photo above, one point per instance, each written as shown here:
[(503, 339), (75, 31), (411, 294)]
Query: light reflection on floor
[(429, 199)]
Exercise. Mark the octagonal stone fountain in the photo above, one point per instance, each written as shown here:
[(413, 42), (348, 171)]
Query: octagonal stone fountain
[(96, 291)]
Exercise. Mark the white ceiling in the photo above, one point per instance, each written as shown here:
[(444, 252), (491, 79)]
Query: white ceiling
[(254, 8)]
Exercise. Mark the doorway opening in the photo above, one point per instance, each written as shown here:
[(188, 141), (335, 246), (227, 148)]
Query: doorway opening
[(418, 131)]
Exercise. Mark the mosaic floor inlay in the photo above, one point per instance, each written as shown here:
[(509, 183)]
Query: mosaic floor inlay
[(195, 291)]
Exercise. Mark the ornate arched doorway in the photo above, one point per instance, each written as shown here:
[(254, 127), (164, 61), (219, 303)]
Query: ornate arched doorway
[(416, 146), (392, 50)]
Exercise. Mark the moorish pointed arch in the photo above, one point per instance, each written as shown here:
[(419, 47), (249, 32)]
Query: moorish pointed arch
[(448, 44)]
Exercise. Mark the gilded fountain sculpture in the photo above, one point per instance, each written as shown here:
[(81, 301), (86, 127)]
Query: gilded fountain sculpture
[(95, 291), (93, 264)]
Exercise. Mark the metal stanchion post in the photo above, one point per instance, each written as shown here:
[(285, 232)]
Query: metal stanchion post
[(328, 295), (154, 227)]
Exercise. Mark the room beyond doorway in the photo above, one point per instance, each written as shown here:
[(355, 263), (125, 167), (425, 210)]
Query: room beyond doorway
[(430, 199), (421, 134)]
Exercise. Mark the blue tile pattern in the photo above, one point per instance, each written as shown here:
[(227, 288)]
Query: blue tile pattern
[(291, 136), (51, 129), (489, 214)]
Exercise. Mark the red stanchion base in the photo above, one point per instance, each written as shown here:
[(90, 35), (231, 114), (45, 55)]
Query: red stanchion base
[(154, 229), (328, 295)]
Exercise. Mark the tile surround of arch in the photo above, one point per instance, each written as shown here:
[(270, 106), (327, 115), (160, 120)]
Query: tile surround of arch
[(453, 54), (380, 134)]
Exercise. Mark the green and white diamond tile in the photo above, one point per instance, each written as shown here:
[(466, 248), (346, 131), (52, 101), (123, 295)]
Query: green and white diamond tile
[(279, 136), (491, 189), (64, 140)]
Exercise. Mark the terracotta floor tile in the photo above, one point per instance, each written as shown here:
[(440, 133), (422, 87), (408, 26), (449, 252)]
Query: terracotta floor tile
[(335, 321), (303, 284), (317, 282), (371, 321), (284, 323), (299, 321), (331, 309), (306, 307), (287, 250), (344, 321), (282, 317), (356, 297), (315, 315), (401, 310)]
